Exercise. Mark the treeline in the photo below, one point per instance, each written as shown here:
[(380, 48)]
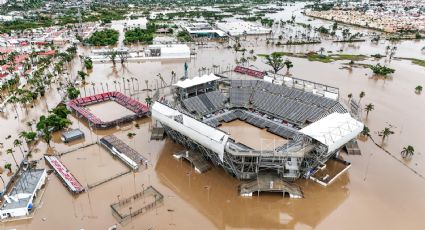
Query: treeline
[(106, 37), (104, 15)]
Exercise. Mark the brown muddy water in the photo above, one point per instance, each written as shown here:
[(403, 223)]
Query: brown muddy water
[(109, 111), (377, 192), (244, 133)]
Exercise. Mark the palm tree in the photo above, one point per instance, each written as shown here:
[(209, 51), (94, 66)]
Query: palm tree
[(288, 65), (115, 84), (28, 136), (112, 57), (369, 107), (94, 89), (387, 49), (8, 166), (321, 51), (407, 151), (147, 84), (418, 89), (10, 151), (365, 131), (18, 143), (148, 101), (386, 132), (82, 75), (362, 94), (350, 95)]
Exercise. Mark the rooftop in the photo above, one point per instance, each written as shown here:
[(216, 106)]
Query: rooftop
[(24, 189), (334, 130), (196, 81)]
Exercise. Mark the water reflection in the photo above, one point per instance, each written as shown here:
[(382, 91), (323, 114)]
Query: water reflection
[(214, 194)]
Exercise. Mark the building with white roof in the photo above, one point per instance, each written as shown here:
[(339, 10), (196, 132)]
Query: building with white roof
[(202, 29), (170, 51), (19, 202), (211, 138), (197, 85), (239, 28), (136, 23), (334, 130)]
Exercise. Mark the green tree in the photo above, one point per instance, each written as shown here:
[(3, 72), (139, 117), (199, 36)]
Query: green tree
[(88, 63), (361, 95), (288, 64), (385, 133), (29, 137), (8, 166), (365, 131), (381, 70), (418, 89), (407, 151), (82, 75), (18, 143), (72, 92), (149, 101), (275, 61), (106, 37), (369, 107), (10, 151)]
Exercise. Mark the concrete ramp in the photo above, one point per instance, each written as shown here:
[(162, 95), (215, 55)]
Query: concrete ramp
[(200, 164), (352, 148), (269, 183), (329, 172)]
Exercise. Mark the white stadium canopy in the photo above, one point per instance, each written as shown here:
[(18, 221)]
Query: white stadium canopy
[(334, 130), (196, 81), (207, 136)]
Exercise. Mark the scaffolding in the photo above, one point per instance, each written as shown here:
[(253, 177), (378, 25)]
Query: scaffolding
[(153, 197)]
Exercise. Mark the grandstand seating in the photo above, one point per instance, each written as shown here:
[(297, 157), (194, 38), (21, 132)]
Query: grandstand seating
[(79, 106), (283, 102), (257, 120), (290, 104), (205, 103)]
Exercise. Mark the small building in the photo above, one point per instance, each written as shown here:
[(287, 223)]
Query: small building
[(197, 85), (72, 135), (243, 28), (168, 51), (136, 23), (19, 202), (203, 30)]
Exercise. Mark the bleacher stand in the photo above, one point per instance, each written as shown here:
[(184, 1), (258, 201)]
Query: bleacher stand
[(79, 106)]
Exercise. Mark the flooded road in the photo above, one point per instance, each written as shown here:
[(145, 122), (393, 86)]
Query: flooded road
[(377, 192)]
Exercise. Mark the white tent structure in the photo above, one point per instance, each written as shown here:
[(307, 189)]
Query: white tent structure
[(207, 136), (334, 130), (196, 81)]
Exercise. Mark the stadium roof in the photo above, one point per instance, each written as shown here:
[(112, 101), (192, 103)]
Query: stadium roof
[(334, 130), (204, 134), (196, 81)]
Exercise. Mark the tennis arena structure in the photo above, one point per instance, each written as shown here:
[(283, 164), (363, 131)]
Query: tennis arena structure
[(307, 114)]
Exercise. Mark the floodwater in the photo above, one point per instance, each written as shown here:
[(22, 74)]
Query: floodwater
[(243, 132), (93, 164), (377, 192), (109, 110)]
